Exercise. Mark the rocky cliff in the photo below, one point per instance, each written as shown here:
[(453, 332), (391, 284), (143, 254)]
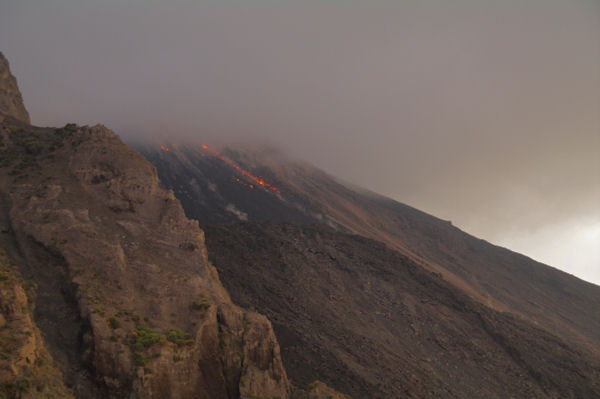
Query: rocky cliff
[(126, 303)]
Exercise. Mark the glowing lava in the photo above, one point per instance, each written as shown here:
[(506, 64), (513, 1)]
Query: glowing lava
[(256, 179)]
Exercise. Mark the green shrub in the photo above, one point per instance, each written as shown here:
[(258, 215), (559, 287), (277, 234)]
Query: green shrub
[(200, 305), (178, 337), (142, 338)]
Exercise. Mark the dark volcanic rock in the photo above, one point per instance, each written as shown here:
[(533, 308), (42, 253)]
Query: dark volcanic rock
[(370, 322), (206, 187)]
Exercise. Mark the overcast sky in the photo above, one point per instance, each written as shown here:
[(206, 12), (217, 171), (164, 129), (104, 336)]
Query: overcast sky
[(483, 113)]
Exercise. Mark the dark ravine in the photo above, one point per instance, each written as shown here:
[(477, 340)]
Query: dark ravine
[(27, 370), (57, 315)]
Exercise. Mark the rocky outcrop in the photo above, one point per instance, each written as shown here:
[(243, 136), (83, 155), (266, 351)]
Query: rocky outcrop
[(126, 273), (11, 101)]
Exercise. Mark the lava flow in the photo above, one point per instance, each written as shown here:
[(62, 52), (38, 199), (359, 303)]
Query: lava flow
[(260, 182)]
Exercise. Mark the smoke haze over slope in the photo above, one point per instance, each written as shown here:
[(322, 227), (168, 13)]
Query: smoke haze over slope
[(485, 114)]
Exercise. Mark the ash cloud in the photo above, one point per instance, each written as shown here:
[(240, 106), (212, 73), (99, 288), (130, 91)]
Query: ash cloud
[(485, 114)]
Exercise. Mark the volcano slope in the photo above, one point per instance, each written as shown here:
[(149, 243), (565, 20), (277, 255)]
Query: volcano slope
[(545, 305), (501, 279)]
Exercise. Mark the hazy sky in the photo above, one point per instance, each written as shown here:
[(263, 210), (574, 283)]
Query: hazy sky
[(486, 113)]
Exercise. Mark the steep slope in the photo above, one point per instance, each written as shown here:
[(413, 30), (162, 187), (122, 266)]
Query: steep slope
[(369, 320), (127, 305), (503, 280)]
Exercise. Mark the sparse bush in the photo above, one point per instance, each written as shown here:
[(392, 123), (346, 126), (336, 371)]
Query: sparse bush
[(32, 146), (114, 322), (26, 162), (141, 339), (200, 305), (101, 310), (136, 318), (178, 337), (140, 359)]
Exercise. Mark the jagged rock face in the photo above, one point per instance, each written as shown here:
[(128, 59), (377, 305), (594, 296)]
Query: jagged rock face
[(11, 102), (126, 273)]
